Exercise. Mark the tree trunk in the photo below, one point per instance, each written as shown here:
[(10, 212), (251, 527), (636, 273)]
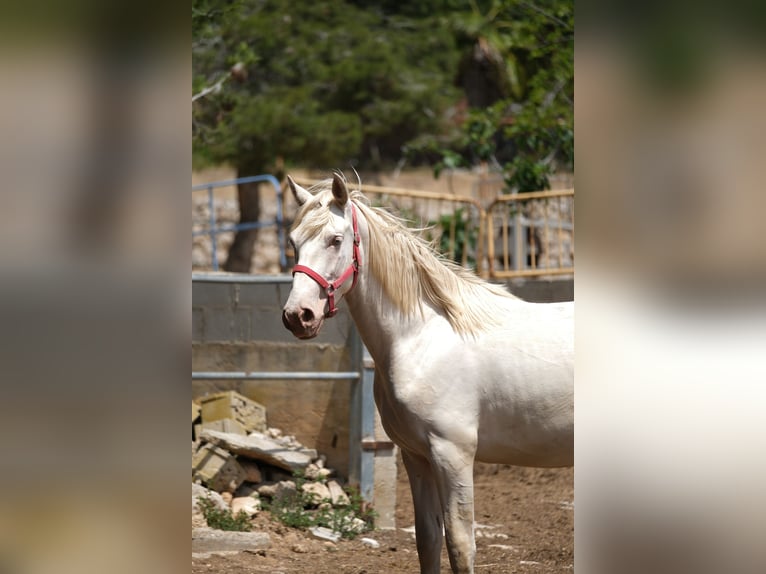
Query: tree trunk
[(241, 251)]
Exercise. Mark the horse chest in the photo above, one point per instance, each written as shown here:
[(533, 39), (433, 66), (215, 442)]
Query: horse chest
[(413, 409)]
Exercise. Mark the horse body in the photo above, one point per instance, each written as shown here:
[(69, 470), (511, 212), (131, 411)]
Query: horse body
[(472, 375), (519, 411)]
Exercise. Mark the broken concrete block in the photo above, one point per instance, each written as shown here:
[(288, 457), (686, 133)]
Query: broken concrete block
[(224, 425), (217, 468), (324, 533), (231, 405), (337, 494), (210, 540), (259, 447)]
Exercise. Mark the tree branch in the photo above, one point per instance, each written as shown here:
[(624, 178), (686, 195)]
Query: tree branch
[(210, 89)]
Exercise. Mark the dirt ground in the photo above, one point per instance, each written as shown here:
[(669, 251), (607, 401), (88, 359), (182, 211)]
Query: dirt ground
[(525, 524)]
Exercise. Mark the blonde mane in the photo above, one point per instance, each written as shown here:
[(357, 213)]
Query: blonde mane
[(411, 272)]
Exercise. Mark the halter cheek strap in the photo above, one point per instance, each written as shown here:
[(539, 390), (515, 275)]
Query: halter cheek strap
[(352, 269)]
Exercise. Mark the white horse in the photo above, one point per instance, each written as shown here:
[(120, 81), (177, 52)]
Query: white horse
[(464, 371)]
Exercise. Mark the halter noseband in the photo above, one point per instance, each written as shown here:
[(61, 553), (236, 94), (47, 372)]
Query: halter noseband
[(352, 269)]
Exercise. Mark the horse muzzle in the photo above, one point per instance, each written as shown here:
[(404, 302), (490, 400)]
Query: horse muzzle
[(303, 323)]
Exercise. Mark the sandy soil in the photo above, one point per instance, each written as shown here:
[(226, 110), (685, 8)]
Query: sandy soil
[(526, 519)]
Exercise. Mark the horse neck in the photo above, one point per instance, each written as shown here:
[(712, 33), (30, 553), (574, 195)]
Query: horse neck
[(379, 321)]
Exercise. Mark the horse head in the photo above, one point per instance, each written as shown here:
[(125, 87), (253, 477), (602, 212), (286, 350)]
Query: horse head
[(325, 239)]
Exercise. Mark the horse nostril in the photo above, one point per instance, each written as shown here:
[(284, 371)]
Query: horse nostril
[(307, 315)]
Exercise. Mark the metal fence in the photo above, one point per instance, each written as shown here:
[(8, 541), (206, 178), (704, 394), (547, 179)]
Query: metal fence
[(499, 236), (516, 235), (213, 229), (531, 234)]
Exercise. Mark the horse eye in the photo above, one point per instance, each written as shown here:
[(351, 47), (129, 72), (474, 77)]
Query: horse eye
[(336, 241)]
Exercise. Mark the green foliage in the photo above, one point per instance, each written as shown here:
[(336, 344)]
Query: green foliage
[(518, 74), (341, 518), (323, 83), (223, 519), (300, 509), (330, 83)]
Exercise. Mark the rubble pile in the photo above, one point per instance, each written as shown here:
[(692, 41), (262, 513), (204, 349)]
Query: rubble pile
[(237, 460)]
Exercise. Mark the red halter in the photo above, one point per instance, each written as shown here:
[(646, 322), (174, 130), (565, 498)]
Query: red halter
[(352, 269)]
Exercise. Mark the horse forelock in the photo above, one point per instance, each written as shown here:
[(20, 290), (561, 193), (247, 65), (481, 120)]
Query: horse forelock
[(311, 217)]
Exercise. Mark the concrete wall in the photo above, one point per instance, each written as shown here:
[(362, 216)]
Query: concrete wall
[(237, 327), (542, 290)]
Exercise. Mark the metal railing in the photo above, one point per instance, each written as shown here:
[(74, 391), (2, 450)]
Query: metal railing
[(213, 230), (535, 236), (515, 235), (536, 229)]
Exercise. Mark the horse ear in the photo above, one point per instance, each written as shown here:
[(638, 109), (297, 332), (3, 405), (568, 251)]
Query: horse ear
[(301, 195), (339, 189)]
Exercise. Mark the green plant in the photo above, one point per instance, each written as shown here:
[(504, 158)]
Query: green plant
[(300, 509), (223, 519), (342, 518)]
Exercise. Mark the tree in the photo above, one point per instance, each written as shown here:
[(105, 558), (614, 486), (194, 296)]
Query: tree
[(517, 74), (325, 83)]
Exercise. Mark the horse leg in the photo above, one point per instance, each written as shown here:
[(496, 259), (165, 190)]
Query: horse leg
[(453, 470), (428, 513)]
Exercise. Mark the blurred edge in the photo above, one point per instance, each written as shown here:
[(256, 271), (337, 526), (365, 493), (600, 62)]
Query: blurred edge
[(670, 329), (95, 161), (671, 321)]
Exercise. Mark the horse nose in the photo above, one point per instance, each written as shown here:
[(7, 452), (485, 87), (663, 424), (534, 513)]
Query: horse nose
[(292, 320), (306, 315)]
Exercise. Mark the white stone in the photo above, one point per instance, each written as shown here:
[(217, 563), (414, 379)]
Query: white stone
[(318, 491), (356, 525), (370, 542), (246, 504), (199, 491), (311, 471), (337, 495), (325, 533), (316, 472)]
